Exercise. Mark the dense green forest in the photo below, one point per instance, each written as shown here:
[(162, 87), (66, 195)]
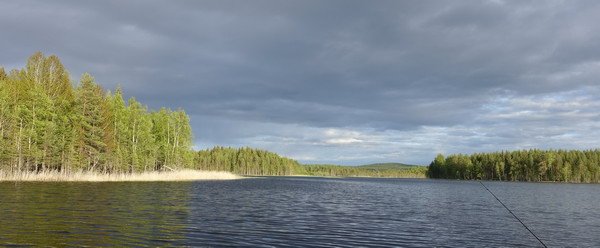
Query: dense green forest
[(48, 124), (246, 161), (524, 165), (388, 166), (365, 171)]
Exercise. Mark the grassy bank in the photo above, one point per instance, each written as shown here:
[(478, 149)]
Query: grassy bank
[(83, 176)]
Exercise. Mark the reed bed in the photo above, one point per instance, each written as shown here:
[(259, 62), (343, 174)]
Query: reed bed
[(90, 176)]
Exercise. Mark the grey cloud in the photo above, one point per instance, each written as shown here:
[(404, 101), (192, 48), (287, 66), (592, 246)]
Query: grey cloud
[(249, 70)]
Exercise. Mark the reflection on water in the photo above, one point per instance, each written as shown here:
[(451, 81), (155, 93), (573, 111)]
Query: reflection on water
[(78, 214), (281, 211)]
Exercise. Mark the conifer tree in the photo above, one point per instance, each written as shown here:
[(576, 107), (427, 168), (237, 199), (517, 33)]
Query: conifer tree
[(89, 131)]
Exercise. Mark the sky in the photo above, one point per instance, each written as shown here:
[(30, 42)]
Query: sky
[(345, 82)]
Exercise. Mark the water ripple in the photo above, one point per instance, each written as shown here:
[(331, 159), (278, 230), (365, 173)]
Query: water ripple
[(292, 212)]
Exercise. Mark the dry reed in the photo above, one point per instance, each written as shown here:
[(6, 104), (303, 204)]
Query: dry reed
[(86, 176)]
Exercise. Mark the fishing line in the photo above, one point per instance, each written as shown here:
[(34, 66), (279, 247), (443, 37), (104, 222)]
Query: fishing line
[(514, 215)]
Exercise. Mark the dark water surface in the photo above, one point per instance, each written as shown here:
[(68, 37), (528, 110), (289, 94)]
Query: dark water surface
[(292, 211)]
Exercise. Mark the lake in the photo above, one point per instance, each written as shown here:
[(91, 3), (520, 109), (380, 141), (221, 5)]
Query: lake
[(299, 211)]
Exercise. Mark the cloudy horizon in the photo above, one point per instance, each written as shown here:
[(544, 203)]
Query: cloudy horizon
[(345, 82)]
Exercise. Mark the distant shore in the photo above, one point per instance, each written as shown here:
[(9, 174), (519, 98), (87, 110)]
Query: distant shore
[(86, 176), (342, 176)]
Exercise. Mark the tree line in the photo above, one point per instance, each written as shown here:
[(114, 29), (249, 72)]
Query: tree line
[(357, 171), (246, 161), (249, 161), (48, 124), (524, 165)]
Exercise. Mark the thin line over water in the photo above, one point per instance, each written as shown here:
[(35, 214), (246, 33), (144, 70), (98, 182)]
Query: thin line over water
[(513, 215)]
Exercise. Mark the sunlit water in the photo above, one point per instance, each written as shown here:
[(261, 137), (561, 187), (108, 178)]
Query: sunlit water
[(293, 211)]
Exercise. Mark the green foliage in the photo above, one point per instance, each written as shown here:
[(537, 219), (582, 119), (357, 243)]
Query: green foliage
[(46, 123), (378, 170), (2, 74), (89, 124), (246, 161), (6, 119), (526, 165), (381, 166)]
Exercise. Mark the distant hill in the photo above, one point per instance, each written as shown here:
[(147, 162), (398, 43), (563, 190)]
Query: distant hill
[(387, 166)]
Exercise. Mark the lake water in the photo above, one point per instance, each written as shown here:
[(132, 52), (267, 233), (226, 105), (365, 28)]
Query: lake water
[(295, 211)]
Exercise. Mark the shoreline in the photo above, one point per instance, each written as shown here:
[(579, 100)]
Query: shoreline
[(87, 176), (325, 176)]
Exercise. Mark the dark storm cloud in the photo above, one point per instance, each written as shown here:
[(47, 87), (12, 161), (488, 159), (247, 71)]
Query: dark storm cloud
[(353, 76)]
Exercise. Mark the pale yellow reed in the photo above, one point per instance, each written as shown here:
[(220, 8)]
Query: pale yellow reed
[(86, 176)]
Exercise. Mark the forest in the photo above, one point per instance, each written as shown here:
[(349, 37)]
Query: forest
[(48, 124), (249, 161), (246, 161), (365, 171), (525, 165)]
